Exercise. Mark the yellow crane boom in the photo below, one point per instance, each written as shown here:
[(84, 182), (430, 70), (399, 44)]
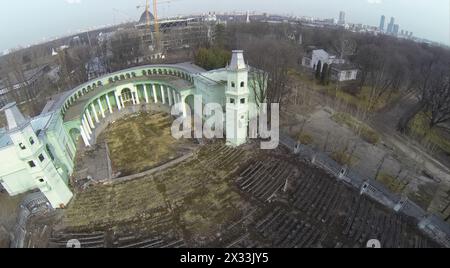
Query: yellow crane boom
[(147, 13), (155, 14), (155, 21)]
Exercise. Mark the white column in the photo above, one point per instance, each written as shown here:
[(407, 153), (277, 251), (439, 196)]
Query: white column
[(169, 96), (145, 93), (163, 95), (121, 101), (133, 99), (174, 97), (87, 129), (101, 107), (137, 95), (91, 123), (154, 94), (118, 102), (94, 111), (83, 135), (109, 104)]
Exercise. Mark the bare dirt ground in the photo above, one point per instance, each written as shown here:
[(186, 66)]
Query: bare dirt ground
[(367, 156), (131, 145), (149, 134)]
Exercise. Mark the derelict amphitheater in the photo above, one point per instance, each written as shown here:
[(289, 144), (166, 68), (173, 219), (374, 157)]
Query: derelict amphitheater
[(205, 194)]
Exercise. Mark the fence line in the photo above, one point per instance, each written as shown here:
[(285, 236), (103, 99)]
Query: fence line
[(432, 225)]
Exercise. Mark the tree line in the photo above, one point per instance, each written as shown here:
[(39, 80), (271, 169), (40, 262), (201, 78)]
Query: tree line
[(387, 65)]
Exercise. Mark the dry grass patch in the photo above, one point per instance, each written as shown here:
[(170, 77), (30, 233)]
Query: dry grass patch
[(141, 142)]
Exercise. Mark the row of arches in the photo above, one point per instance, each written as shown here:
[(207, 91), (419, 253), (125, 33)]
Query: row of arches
[(125, 75), (115, 100), (120, 77), (164, 71)]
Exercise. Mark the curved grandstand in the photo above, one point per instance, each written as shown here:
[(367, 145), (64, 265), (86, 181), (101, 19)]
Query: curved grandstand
[(87, 104), (226, 197)]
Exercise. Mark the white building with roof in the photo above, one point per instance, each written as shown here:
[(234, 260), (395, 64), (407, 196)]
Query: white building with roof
[(35, 154), (340, 69)]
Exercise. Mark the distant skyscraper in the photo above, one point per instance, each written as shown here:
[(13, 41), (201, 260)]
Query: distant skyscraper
[(390, 27), (382, 22), (396, 28), (341, 18)]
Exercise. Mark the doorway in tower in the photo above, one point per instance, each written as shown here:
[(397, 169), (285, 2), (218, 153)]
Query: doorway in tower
[(126, 96)]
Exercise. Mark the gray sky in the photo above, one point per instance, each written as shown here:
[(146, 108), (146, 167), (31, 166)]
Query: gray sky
[(23, 22)]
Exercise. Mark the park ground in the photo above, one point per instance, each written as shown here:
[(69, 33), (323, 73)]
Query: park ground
[(334, 121)]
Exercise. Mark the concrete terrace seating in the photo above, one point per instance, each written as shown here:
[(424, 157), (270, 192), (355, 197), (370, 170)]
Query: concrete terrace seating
[(221, 156), (87, 240), (284, 230), (156, 241), (265, 178), (366, 220)]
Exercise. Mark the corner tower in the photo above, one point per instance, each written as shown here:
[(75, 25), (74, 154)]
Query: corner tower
[(30, 165), (237, 97)]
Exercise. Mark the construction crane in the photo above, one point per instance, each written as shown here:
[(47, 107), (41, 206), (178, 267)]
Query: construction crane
[(156, 24), (155, 21), (155, 15)]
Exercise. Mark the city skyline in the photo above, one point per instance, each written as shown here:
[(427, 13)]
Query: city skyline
[(72, 16)]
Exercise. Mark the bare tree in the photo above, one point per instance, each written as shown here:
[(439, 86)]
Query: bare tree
[(344, 45), (258, 84), (126, 47), (437, 100), (16, 69), (382, 71), (272, 60), (432, 82)]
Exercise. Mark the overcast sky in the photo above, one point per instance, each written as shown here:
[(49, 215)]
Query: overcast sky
[(23, 22)]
